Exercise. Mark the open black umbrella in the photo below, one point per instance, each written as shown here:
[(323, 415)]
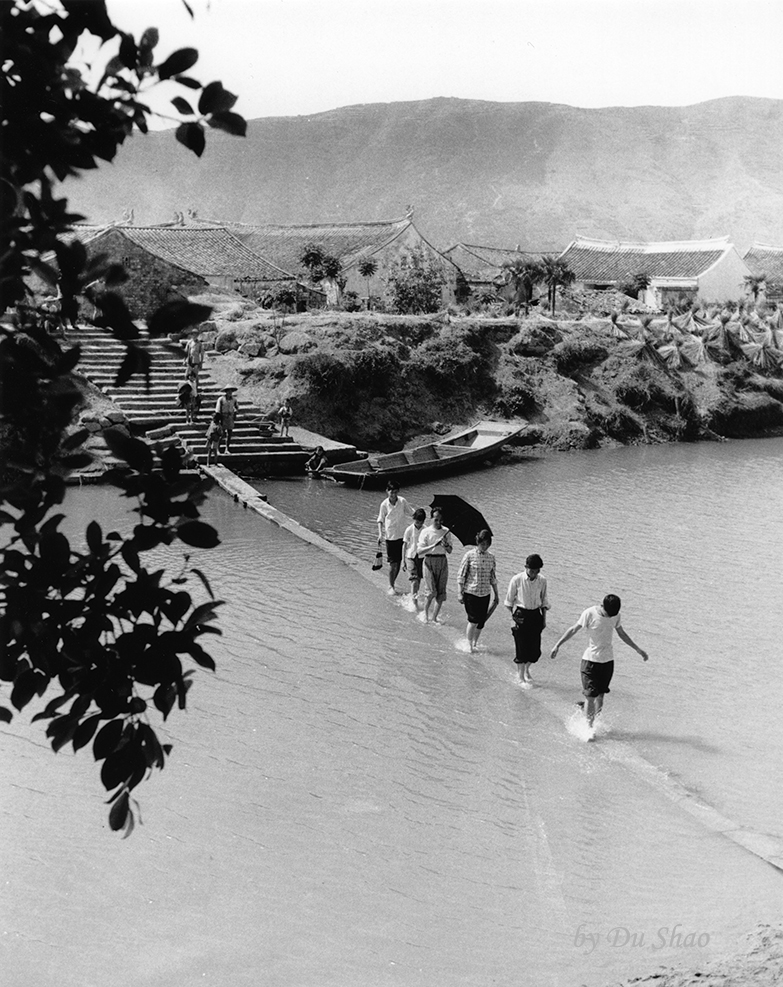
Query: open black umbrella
[(460, 517)]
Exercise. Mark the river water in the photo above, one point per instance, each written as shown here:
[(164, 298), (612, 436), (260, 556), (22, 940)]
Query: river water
[(352, 799)]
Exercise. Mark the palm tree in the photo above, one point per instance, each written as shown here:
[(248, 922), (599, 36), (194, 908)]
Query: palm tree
[(755, 284), (555, 274), (312, 258), (367, 268), (523, 276)]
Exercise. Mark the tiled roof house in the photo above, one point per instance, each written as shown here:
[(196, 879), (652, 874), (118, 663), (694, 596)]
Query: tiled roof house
[(165, 259), (711, 269), (483, 266), (385, 243), (766, 261)]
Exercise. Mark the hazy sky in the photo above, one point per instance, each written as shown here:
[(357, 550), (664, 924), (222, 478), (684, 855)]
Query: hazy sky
[(291, 57)]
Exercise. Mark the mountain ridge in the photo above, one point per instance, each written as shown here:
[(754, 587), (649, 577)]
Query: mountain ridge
[(534, 174)]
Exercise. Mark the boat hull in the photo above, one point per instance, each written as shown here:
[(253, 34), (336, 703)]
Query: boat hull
[(460, 453)]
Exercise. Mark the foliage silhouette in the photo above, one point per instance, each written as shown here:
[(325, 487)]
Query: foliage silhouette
[(93, 621)]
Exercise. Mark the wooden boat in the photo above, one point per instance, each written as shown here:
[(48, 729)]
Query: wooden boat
[(466, 450)]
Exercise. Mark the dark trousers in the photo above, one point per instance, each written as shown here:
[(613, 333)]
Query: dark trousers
[(528, 625)]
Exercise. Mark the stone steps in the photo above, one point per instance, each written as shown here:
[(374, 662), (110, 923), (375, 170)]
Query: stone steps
[(154, 410)]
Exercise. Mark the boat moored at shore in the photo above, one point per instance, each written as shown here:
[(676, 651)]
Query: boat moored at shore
[(469, 449)]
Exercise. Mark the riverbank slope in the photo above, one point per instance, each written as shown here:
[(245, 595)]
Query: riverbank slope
[(385, 381)]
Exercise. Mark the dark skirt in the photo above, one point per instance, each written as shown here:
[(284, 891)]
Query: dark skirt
[(476, 608), (528, 625)]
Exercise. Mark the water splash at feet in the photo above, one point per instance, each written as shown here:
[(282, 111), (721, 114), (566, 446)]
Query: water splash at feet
[(577, 726)]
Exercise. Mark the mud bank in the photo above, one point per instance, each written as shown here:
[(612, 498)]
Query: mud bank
[(385, 381)]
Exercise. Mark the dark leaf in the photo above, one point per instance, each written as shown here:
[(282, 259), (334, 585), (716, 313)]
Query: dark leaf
[(135, 361), (51, 707), (189, 83), (192, 136), (177, 62), (115, 315), (199, 534), (145, 537), (29, 684), (119, 812), (135, 452), (202, 614), (94, 537), (128, 52), (182, 105), (137, 705), (204, 582), (131, 556), (164, 698), (84, 732), (5, 715), (177, 607), (149, 39), (67, 361), (75, 440), (77, 461), (61, 731), (107, 740), (215, 99), (115, 274), (232, 123), (118, 767), (177, 315), (201, 657)]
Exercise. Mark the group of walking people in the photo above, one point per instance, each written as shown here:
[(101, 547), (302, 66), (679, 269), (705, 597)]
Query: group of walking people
[(423, 550)]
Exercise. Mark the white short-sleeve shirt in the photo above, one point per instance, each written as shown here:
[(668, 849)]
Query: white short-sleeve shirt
[(600, 629), (394, 518)]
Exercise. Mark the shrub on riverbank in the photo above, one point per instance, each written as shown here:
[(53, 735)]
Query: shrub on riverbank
[(381, 380)]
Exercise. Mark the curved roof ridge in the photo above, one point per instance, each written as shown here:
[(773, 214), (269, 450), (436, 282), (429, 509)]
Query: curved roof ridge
[(228, 224), (653, 246), (760, 245)]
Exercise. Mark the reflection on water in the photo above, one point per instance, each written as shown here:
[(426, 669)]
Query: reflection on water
[(354, 800)]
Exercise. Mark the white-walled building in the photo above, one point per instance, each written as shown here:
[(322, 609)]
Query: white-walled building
[(679, 270)]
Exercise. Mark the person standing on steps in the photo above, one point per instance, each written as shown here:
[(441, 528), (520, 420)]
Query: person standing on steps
[(528, 602), (434, 546), (392, 522), (194, 356), (285, 414), (476, 578), (227, 407), (597, 669), (213, 437)]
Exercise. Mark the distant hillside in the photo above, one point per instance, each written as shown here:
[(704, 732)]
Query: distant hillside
[(533, 174)]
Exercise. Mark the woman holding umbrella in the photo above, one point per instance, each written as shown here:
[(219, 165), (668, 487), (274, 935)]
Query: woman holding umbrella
[(475, 579)]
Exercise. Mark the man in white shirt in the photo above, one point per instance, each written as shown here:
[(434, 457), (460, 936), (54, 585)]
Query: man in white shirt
[(598, 658), (392, 522), (434, 546), (227, 407), (528, 602)]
